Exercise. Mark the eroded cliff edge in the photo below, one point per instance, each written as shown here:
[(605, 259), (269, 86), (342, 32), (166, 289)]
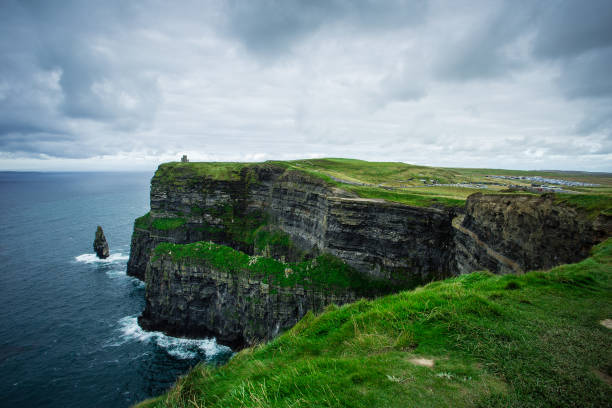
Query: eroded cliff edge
[(293, 216), (381, 239), (204, 289), (516, 233)]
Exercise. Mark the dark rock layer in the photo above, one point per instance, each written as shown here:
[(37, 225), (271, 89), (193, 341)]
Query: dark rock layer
[(381, 239), (190, 300), (513, 233)]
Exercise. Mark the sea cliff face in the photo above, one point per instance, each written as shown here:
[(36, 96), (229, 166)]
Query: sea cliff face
[(410, 245), (238, 308), (517, 233), (292, 216)]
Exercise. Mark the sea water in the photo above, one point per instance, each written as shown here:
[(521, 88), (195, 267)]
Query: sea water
[(68, 321)]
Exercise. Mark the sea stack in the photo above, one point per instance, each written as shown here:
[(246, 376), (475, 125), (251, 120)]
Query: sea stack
[(100, 245)]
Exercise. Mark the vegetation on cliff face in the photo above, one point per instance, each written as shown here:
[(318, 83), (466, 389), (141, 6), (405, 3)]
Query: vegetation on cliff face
[(324, 272), (165, 224), (161, 224), (239, 227), (533, 340), (143, 222)]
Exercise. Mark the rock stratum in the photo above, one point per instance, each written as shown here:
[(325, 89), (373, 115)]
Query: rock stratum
[(236, 306), (272, 212)]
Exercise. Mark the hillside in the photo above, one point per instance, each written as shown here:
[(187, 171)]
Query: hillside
[(423, 185), (474, 340)]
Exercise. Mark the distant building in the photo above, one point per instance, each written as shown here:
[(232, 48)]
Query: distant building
[(184, 159)]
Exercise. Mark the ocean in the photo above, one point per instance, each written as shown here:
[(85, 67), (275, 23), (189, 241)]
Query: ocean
[(68, 331)]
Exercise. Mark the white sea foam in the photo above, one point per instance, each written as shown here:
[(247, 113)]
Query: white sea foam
[(175, 346), (92, 258), (120, 274)]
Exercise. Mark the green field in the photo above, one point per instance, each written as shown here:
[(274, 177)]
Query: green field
[(401, 182), (396, 173), (535, 340)]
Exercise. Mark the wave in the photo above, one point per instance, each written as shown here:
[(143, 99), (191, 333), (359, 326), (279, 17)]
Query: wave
[(175, 346), (120, 274), (116, 266), (92, 258)]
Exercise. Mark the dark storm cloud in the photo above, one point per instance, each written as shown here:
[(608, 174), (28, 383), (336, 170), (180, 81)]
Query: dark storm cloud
[(52, 69), (92, 82), (478, 47), (271, 27), (567, 28), (597, 119), (579, 35), (588, 75), (561, 30), (36, 143)]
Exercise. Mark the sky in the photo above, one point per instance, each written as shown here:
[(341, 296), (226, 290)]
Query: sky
[(126, 85)]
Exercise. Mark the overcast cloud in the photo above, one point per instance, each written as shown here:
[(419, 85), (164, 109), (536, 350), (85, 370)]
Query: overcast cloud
[(129, 84)]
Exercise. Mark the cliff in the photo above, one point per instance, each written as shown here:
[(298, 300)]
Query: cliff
[(290, 215), (476, 340), (516, 233), (406, 244), (204, 289)]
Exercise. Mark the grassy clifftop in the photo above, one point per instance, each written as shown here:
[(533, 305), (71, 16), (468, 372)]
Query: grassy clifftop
[(404, 183), (170, 172), (475, 340)]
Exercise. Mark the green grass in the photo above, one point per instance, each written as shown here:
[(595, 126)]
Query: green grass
[(593, 204), (177, 172), (162, 224), (275, 238), (409, 179), (275, 243), (374, 172), (165, 224), (143, 222), (324, 272), (401, 175), (497, 341), (605, 179), (239, 227), (426, 199)]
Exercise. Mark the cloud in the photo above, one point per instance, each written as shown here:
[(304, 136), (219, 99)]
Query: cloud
[(483, 40), (569, 28), (588, 75), (472, 83), (95, 81), (271, 27)]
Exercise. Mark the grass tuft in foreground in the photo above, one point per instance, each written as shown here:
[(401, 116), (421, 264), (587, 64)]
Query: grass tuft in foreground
[(521, 341)]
